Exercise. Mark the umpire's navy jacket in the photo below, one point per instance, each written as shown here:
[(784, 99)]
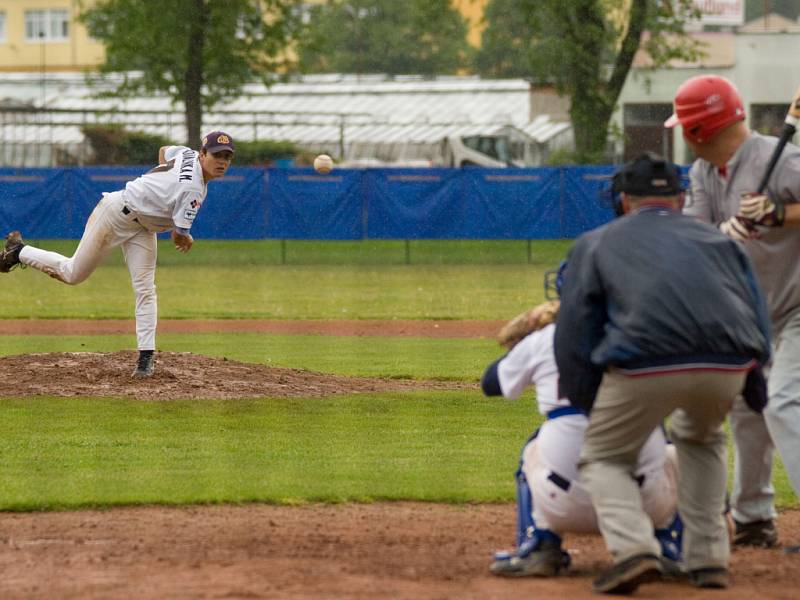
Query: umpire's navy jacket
[(656, 290)]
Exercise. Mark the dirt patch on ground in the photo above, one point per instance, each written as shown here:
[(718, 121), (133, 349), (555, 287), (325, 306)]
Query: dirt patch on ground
[(453, 329), (398, 551), (182, 375)]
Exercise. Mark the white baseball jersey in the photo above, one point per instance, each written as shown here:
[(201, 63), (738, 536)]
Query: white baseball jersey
[(169, 195), (531, 362), (550, 461)]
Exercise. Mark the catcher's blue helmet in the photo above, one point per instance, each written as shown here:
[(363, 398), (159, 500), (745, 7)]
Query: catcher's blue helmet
[(553, 280)]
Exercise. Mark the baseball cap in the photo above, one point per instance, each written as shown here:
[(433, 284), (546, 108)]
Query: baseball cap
[(648, 175), (217, 141)]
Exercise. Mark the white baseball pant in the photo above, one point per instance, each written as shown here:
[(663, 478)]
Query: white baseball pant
[(108, 227), (550, 465)]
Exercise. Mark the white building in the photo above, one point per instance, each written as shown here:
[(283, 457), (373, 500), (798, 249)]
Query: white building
[(358, 119)]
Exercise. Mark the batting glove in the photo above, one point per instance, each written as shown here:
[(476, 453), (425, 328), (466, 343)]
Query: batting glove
[(761, 210), (739, 229)]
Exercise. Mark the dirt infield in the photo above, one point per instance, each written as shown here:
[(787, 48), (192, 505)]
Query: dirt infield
[(453, 329), (181, 375), (355, 551), (403, 551)]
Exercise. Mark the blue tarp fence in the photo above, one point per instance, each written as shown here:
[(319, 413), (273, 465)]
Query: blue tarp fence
[(347, 204)]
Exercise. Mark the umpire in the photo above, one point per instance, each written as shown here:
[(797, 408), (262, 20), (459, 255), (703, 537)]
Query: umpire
[(660, 314)]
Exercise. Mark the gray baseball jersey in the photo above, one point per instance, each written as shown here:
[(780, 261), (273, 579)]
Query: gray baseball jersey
[(715, 198), (775, 260)]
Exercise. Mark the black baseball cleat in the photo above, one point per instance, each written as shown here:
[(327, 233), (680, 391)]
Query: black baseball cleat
[(714, 578), (9, 258), (625, 577), (761, 534), (146, 364), (546, 561)]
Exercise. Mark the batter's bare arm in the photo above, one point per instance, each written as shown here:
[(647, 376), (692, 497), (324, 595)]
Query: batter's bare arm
[(792, 215), (162, 158)]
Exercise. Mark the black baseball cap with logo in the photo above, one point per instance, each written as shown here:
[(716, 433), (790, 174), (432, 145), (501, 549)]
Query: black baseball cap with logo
[(648, 175), (217, 141)]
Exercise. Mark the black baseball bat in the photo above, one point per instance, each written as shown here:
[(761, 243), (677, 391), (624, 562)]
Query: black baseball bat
[(789, 129)]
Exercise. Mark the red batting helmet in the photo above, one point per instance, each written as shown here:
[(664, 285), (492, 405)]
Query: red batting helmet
[(704, 106)]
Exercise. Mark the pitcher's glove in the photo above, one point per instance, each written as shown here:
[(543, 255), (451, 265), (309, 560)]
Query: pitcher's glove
[(759, 209), (526, 323)]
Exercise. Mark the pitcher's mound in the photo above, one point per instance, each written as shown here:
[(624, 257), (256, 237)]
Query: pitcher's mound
[(181, 375)]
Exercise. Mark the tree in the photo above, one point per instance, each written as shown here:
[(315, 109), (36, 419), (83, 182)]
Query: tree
[(505, 43), (199, 52), (384, 36), (585, 49)]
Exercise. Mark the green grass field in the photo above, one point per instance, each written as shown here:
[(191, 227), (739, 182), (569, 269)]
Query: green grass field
[(434, 446), (334, 280), (87, 452)]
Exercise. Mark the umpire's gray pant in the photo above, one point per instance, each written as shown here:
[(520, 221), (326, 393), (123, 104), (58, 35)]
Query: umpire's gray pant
[(626, 411)]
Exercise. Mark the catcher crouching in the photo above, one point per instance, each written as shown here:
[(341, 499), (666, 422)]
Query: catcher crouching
[(550, 499)]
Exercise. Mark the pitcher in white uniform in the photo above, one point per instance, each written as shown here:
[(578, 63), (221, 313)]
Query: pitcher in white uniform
[(550, 499), (165, 198)]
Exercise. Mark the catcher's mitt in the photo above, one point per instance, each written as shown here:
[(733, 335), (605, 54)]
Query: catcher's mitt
[(526, 323)]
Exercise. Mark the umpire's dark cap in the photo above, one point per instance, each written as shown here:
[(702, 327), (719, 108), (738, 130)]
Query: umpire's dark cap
[(648, 175), (217, 141)]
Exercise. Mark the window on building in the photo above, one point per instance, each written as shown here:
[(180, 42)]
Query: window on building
[(2, 27), (46, 25), (767, 118), (644, 130)]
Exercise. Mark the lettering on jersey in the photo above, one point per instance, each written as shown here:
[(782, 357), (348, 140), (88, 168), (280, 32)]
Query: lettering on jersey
[(161, 168), (195, 203), (187, 166), (189, 214)]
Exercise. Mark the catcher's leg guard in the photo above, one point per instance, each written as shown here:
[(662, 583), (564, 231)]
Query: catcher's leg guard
[(525, 525), (538, 551), (529, 537), (670, 539), (526, 528)]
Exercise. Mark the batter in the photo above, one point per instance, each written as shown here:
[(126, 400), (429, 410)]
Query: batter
[(731, 160)]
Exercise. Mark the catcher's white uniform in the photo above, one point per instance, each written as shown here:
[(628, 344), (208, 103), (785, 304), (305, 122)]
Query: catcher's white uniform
[(549, 459), (165, 198)]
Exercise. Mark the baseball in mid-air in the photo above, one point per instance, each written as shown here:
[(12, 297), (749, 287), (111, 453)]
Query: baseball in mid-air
[(323, 164)]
